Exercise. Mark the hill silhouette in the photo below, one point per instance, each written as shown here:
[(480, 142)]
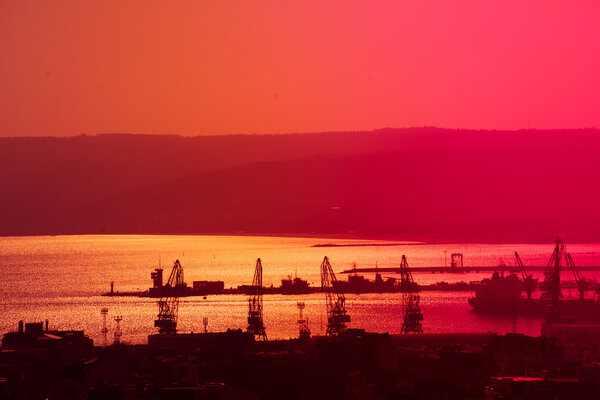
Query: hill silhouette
[(418, 184)]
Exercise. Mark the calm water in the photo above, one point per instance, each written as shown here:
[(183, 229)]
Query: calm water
[(60, 278)]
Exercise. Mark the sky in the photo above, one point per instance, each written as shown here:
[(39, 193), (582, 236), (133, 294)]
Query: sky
[(69, 67)]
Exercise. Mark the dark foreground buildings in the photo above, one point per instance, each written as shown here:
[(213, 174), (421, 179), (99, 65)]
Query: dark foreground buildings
[(37, 363)]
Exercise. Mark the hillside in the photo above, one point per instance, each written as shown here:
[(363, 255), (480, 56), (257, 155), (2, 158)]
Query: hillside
[(419, 184)]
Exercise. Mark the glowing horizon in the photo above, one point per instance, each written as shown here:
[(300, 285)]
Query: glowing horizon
[(194, 68)]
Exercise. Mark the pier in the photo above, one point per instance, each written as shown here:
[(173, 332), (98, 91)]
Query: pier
[(455, 270)]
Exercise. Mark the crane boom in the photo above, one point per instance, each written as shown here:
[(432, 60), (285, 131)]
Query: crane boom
[(521, 267), (168, 305), (579, 280), (573, 268), (529, 283), (337, 317)]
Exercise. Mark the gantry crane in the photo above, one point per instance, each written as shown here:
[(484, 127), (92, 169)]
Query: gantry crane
[(552, 272), (551, 284), (337, 317), (410, 301), (552, 277), (529, 283), (168, 304), (255, 305), (552, 280)]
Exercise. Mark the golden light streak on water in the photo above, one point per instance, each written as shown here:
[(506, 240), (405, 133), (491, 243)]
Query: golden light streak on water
[(60, 278)]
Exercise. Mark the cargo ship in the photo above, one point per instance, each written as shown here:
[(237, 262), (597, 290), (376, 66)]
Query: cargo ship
[(295, 286), (502, 295)]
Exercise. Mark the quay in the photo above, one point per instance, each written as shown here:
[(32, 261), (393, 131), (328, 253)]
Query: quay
[(455, 270)]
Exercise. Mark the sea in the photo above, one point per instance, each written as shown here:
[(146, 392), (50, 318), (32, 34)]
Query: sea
[(61, 279)]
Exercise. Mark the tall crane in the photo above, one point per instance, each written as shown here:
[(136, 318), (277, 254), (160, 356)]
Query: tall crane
[(410, 301), (337, 317), (552, 280), (551, 284), (529, 283), (255, 305), (168, 304), (552, 274)]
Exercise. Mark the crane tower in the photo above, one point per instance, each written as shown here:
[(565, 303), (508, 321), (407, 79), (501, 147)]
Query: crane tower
[(551, 284), (255, 305), (410, 301), (168, 305), (337, 317)]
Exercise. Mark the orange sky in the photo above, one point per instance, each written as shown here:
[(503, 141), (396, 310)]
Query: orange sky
[(218, 67)]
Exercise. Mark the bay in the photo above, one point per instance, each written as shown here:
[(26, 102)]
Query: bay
[(60, 278)]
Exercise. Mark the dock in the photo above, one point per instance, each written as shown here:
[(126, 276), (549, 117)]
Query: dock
[(455, 270)]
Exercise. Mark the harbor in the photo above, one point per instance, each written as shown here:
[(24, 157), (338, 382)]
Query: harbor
[(347, 361), (266, 200), (289, 286), (75, 299)]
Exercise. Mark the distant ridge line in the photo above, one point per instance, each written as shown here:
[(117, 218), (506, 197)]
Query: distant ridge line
[(367, 244)]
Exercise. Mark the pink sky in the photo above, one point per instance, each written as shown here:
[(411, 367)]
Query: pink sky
[(219, 67)]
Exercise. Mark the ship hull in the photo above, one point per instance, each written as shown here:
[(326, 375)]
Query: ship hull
[(525, 307), (580, 310)]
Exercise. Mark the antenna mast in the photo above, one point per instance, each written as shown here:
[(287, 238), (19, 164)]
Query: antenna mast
[(104, 330), (303, 322), (118, 333)]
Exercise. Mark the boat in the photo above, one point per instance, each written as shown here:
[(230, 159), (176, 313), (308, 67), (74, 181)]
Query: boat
[(357, 284), (502, 295), (295, 285)]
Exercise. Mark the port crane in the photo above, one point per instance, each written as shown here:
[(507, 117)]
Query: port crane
[(168, 304), (410, 300), (552, 273), (255, 304), (529, 283), (551, 284), (337, 316)]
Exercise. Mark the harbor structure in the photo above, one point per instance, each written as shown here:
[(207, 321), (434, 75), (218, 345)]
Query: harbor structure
[(256, 325), (335, 301)]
